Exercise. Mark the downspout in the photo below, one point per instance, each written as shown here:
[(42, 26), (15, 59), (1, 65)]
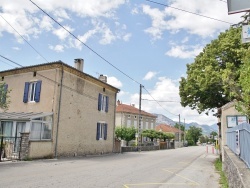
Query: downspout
[(58, 114), (114, 124)]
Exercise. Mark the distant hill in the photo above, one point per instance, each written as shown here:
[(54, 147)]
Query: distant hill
[(206, 129)]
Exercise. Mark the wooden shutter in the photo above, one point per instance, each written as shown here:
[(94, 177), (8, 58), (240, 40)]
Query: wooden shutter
[(26, 92), (107, 104), (99, 101), (38, 91), (105, 131), (98, 131)]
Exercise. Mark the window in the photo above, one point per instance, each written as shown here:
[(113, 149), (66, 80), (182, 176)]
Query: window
[(41, 128), (135, 117), (152, 125), (146, 125), (6, 128), (103, 102), (101, 131), (32, 91), (128, 123), (135, 124)]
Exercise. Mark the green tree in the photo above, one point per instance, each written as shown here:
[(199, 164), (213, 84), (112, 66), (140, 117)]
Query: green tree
[(193, 135), (182, 127), (243, 105), (151, 134), (125, 133), (212, 79), (4, 97)]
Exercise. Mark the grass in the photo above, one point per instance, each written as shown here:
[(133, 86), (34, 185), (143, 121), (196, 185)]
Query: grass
[(223, 178)]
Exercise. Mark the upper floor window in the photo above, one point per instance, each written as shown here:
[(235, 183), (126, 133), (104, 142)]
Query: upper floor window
[(32, 91), (103, 102), (101, 131)]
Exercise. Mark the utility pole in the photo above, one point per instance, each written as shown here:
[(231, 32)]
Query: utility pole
[(179, 130), (139, 127)]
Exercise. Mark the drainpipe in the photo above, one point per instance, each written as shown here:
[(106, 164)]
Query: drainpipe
[(58, 114), (114, 124)]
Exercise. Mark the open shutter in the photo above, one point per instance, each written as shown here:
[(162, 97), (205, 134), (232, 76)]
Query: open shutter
[(107, 104), (105, 131), (38, 91), (26, 92), (99, 101), (5, 89), (98, 131)]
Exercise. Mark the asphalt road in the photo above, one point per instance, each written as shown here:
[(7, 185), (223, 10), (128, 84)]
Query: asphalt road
[(180, 168)]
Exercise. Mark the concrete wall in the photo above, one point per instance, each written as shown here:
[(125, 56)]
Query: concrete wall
[(236, 171), (41, 149), (79, 117)]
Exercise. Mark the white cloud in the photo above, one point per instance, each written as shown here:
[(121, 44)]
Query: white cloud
[(166, 92), (170, 19), (127, 37), (114, 82), (184, 51), (16, 48), (62, 33), (149, 75), (57, 48)]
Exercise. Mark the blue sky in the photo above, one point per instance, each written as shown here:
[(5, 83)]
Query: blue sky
[(149, 42)]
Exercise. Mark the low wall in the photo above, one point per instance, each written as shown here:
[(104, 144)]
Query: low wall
[(143, 148), (236, 170), (40, 149)]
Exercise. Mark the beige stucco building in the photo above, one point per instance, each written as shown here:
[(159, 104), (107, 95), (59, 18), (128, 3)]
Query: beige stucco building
[(128, 115), (66, 111)]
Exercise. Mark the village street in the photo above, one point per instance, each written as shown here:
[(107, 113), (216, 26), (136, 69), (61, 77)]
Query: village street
[(180, 168)]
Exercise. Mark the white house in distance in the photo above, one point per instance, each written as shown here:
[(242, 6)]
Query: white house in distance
[(128, 115)]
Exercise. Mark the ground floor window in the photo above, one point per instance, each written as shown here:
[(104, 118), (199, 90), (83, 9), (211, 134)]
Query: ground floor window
[(40, 131), (101, 131)]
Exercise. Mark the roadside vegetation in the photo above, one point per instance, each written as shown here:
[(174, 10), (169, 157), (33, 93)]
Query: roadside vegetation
[(223, 179)]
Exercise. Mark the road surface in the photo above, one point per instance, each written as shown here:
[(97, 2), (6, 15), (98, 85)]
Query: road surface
[(177, 168)]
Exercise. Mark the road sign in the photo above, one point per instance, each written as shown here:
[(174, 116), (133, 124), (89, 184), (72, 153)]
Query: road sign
[(236, 6)]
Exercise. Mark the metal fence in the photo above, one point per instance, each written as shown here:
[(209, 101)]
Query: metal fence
[(238, 140), (9, 148)]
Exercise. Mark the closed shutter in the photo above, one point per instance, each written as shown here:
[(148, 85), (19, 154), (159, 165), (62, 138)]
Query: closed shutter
[(105, 131), (99, 101), (107, 104), (26, 92), (38, 91), (98, 131)]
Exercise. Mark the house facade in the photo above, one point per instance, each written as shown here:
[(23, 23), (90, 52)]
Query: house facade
[(128, 115), (169, 129), (66, 111)]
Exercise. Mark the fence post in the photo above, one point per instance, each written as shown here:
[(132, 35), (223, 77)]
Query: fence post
[(24, 150), (1, 148)]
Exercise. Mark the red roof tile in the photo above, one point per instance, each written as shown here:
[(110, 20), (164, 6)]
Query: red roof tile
[(167, 128), (131, 109)]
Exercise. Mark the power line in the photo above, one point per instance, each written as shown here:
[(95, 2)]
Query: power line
[(189, 12), (158, 102), (23, 38), (85, 44)]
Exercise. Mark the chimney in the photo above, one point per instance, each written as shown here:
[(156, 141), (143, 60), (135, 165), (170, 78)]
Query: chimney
[(118, 102), (103, 78), (79, 64), (133, 105)]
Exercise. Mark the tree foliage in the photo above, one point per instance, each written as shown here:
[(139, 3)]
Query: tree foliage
[(125, 133), (212, 79), (193, 135), (4, 97), (150, 133)]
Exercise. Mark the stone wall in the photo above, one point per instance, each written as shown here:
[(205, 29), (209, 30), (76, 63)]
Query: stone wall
[(236, 170)]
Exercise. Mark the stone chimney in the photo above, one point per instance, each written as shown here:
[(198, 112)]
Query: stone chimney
[(118, 102), (103, 78), (79, 64)]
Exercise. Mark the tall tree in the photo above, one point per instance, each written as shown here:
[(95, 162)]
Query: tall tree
[(214, 74)]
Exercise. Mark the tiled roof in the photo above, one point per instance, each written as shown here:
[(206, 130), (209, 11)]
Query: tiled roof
[(167, 128), (131, 109)]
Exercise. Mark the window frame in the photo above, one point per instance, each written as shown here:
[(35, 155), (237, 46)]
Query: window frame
[(103, 103), (32, 91), (101, 131)]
